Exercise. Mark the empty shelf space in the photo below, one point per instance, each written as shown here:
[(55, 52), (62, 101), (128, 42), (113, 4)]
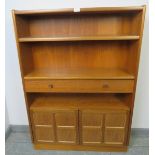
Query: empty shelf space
[(78, 101), (77, 38), (79, 73), (47, 102)]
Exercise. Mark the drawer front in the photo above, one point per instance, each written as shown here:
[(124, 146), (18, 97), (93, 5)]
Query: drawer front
[(109, 86)]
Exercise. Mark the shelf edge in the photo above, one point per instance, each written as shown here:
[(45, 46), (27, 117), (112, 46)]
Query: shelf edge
[(43, 39)]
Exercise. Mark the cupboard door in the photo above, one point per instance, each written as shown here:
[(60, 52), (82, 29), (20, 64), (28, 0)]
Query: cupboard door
[(66, 126), (115, 128), (91, 127), (43, 127)]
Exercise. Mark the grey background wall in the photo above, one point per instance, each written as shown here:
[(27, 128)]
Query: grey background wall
[(7, 122), (15, 103)]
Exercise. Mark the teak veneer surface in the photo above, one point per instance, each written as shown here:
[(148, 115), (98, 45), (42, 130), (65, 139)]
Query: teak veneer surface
[(94, 58), (80, 147), (79, 73), (87, 10), (99, 126), (76, 38), (77, 27), (77, 86), (62, 101)]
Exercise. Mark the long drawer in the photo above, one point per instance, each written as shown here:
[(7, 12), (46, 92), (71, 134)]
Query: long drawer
[(90, 86)]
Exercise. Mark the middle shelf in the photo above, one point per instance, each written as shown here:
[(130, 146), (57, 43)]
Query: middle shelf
[(79, 80), (78, 38), (78, 73)]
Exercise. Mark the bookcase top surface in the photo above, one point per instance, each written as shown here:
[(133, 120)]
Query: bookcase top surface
[(81, 10)]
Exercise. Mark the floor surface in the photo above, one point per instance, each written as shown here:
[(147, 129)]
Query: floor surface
[(19, 143)]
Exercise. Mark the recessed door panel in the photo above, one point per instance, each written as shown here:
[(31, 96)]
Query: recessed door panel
[(44, 134), (43, 118), (66, 126), (92, 118), (115, 127), (43, 126), (91, 135), (66, 118), (91, 127), (114, 136), (116, 119), (66, 135)]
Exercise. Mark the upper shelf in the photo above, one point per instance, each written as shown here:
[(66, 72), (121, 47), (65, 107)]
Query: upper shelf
[(77, 38)]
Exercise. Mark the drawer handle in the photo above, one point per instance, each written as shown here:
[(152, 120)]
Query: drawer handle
[(105, 85), (50, 86)]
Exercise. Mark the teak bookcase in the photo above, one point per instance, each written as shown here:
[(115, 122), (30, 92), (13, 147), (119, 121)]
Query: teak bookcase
[(79, 73)]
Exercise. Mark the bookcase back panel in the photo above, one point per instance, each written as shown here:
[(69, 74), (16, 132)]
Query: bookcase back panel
[(110, 54), (81, 25)]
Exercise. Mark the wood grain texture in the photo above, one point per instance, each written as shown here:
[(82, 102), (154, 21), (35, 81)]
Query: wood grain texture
[(80, 38), (44, 146), (136, 57), (70, 57), (77, 86), (47, 102), (102, 128), (73, 27), (22, 67), (112, 9), (66, 125), (79, 72), (59, 126), (39, 12), (70, 10), (98, 127)]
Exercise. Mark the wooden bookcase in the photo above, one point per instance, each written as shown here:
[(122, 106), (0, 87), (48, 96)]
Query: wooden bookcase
[(79, 73)]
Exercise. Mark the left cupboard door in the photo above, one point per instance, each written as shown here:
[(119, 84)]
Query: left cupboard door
[(43, 127)]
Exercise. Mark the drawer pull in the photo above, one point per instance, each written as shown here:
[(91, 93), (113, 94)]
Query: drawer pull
[(105, 85), (50, 86)]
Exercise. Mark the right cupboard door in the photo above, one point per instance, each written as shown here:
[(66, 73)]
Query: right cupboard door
[(107, 127)]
